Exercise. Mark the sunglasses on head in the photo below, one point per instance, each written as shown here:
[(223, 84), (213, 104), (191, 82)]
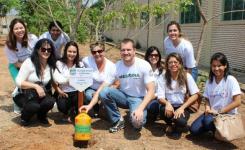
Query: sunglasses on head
[(154, 55), (48, 50), (99, 51)]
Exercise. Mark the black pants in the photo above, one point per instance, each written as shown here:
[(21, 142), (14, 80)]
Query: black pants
[(68, 106), (179, 122), (39, 106)]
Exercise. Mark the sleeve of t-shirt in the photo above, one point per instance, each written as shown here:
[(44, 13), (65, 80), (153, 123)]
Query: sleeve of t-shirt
[(192, 86), (25, 71), (66, 37), (11, 55), (32, 41), (44, 35), (235, 88), (160, 88), (148, 73), (189, 55), (111, 73), (165, 43), (59, 78)]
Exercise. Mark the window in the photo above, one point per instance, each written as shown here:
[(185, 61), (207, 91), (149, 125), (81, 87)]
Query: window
[(158, 19), (232, 5), (191, 14), (144, 18)]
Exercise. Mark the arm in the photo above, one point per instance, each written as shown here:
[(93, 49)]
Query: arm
[(18, 64), (95, 98), (235, 103), (59, 90)]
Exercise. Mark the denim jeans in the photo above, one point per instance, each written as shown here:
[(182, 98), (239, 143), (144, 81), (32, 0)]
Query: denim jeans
[(153, 109), (89, 95), (194, 73), (179, 122), (113, 98), (203, 124)]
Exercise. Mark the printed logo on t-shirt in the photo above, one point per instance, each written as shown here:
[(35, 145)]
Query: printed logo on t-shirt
[(130, 75), (219, 93)]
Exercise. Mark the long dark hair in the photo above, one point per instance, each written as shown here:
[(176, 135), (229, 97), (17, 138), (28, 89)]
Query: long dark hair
[(11, 40), (148, 53), (35, 56), (181, 78), (224, 61), (64, 57)]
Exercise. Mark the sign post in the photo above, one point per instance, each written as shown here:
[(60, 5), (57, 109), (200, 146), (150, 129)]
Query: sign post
[(80, 79)]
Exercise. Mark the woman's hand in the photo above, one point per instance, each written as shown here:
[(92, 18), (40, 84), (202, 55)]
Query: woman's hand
[(211, 111), (62, 94), (180, 111), (169, 110), (40, 91)]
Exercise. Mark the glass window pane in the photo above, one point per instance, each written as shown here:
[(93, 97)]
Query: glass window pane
[(227, 7), (237, 5)]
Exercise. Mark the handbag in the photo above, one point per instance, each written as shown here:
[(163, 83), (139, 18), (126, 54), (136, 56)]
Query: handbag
[(228, 127), (194, 107)]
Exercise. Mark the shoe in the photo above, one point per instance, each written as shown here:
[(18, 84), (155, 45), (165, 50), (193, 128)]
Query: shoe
[(117, 126), (24, 123), (43, 120)]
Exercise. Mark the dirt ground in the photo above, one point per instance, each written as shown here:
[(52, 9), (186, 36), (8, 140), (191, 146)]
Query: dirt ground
[(60, 136)]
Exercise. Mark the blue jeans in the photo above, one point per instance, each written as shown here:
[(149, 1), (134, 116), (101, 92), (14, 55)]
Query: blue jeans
[(88, 95), (194, 73), (113, 98), (203, 124), (153, 109)]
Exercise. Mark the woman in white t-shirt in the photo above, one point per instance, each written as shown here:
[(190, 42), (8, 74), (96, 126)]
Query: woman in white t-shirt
[(222, 94), (153, 56), (34, 81), (66, 95), (19, 45), (103, 69), (172, 91), (175, 42)]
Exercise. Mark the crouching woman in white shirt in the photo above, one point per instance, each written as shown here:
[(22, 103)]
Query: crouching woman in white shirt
[(172, 90), (66, 95), (222, 94), (34, 81)]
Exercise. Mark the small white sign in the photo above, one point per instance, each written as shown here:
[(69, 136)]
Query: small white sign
[(81, 78)]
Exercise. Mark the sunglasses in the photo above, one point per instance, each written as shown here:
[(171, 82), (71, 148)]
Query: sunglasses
[(99, 51), (48, 50), (154, 55)]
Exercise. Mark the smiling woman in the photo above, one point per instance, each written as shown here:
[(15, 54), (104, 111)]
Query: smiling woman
[(34, 82)]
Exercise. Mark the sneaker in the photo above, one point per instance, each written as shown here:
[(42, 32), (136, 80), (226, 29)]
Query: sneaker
[(24, 123), (117, 126)]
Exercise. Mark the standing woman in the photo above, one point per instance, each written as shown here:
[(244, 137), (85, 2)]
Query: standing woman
[(172, 90), (19, 45), (103, 69), (67, 96), (34, 81), (222, 94), (153, 56), (175, 42)]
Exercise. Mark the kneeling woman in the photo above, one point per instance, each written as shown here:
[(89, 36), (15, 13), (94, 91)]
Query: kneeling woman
[(172, 90), (67, 96), (222, 94), (34, 81)]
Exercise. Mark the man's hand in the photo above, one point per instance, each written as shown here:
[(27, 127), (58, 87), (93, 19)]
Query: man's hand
[(169, 110)]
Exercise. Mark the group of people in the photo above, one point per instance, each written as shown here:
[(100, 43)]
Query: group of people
[(145, 87)]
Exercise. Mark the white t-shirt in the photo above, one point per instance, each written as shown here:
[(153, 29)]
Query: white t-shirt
[(185, 49), (133, 79), (156, 78), (58, 43), (99, 77), (28, 73), (23, 52), (220, 95), (177, 94), (65, 72)]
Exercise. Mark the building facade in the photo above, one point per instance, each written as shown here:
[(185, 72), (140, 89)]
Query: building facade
[(225, 31)]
